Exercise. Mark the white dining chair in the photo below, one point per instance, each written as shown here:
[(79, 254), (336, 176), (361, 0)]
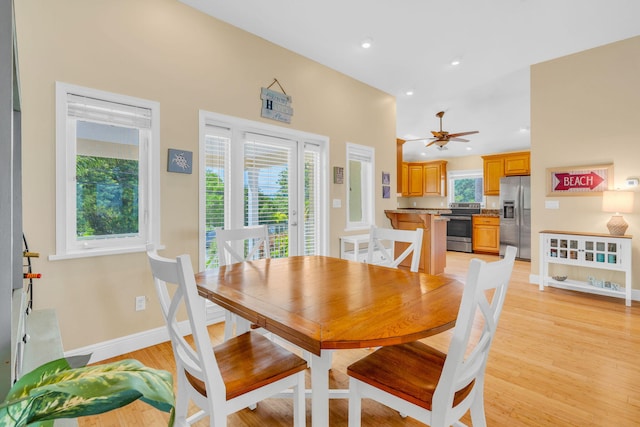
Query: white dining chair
[(242, 244), (426, 384), (382, 243), (239, 245), (226, 378)]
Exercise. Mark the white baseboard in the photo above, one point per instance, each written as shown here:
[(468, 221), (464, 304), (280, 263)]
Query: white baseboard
[(127, 344), (534, 279)]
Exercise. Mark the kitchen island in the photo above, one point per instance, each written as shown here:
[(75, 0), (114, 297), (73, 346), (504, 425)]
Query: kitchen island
[(433, 257)]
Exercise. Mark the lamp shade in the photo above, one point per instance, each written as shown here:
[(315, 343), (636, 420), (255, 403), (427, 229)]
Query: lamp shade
[(617, 201)]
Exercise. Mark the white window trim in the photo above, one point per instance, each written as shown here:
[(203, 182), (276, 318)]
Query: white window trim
[(368, 202), (63, 161)]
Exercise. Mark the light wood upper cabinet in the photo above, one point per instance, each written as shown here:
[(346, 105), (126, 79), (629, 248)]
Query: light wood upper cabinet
[(415, 180), (435, 178), (517, 164), (499, 165), (424, 179), (493, 171)]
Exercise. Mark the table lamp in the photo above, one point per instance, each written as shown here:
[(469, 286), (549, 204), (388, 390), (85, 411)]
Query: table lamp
[(618, 202)]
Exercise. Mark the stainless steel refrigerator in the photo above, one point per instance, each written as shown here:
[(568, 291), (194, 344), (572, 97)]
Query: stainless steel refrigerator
[(515, 215)]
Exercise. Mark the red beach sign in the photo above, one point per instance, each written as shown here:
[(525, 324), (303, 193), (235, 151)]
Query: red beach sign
[(579, 181), (567, 181)]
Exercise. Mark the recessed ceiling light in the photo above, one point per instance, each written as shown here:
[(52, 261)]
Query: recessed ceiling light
[(455, 62), (524, 129), (366, 43), (469, 148), (409, 93)]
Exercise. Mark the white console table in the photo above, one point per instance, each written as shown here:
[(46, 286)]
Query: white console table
[(601, 251)]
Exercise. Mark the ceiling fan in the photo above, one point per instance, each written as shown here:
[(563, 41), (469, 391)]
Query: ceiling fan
[(442, 138)]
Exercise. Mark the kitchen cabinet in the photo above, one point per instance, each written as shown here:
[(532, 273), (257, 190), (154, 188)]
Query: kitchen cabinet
[(592, 250), (424, 179), (433, 255), (492, 172), (435, 178), (507, 164), (486, 234), (517, 164), (415, 180), (404, 188)]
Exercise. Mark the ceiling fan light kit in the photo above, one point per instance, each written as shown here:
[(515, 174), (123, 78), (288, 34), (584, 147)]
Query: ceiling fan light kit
[(442, 138)]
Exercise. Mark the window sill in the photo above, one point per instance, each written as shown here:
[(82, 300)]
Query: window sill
[(87, 253)]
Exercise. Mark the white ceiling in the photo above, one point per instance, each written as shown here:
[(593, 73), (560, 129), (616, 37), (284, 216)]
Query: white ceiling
[(415, 41)]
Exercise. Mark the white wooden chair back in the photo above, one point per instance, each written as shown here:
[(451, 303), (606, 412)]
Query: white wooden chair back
[(231, 244), (483, 298), (231, 249), (448, 385), (382, 242), (199, 362)]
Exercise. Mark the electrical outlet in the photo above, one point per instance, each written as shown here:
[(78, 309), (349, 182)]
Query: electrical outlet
[(141, 303)]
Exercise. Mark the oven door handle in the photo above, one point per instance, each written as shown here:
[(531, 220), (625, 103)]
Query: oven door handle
[(459, 218)]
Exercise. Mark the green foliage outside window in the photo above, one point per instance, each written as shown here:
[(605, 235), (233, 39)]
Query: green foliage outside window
[(273, 210), (106, 196), (467, 190)]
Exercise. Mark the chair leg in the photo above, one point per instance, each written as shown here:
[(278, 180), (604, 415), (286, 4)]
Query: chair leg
[(355, 404), (182, 398), (477, 412), (229, 323), (218, 419)]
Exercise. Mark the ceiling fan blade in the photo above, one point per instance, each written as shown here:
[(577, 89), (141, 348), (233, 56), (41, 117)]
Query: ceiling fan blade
[(459, 139), (454, 135), (431, 143)]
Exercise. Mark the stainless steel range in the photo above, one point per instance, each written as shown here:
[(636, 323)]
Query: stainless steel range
[(459, 230)]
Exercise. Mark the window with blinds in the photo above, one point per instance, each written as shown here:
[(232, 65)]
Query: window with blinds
[(312, 173), (360, 201), (268, 187), (104, 172), (216, 169), (256, 174)]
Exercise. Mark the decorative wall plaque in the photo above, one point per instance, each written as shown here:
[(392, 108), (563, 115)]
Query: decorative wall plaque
[(180, 161), (276, 105), (579, 180)]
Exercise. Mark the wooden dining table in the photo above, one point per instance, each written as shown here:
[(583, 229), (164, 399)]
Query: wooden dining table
[(322, 304)]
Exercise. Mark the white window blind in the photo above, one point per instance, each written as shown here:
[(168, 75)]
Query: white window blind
[(360, 200), (267, 185), (217, 144), (312, 173), (84, 107)]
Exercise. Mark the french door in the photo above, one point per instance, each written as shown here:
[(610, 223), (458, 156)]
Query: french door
[(255, 177)]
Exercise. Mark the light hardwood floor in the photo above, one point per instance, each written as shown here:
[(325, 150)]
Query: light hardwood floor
[(560, 358)]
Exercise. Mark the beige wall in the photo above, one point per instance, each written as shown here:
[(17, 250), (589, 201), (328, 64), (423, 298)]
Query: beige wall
[(585, 110), (164, 51)]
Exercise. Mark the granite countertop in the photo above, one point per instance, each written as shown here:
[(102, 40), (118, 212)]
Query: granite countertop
[(419, 211), (493, 213)]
